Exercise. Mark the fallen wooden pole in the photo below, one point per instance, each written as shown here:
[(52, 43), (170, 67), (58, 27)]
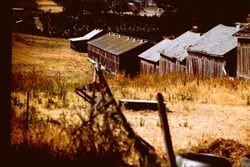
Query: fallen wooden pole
[(137, 105), (132, 104)]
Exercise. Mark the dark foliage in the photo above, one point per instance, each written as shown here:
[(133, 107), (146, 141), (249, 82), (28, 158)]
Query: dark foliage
[(207, 13), (82, 16)]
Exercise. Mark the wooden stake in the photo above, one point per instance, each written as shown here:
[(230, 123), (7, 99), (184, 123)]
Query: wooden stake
[(166, 131)]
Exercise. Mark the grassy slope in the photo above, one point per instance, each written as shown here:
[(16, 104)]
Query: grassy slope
[(49, 5), (52, 56), (45, 5), (204, 110)]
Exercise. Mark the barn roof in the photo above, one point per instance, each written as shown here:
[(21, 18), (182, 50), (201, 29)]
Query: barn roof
[(244, 32), (88, 36), (153, 54), (216, 42), (116, 43), (177, 47)]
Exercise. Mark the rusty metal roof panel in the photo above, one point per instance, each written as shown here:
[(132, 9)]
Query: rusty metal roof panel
[(216, 42), (153, 54), (116, 43), (177, 48)]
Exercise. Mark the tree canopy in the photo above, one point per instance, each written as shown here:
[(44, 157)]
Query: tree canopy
[(208, 10)]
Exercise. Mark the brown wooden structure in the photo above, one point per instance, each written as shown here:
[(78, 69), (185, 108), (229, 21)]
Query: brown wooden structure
[(243, 52), (173, 56), (214, 54), (118, 53), (149, 59), (80, 43), (104, 111)]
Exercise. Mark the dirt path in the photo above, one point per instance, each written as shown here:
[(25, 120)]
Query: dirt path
[(194, 124)]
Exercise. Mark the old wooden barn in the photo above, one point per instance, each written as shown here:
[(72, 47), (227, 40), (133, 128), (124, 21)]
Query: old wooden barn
[(173, 56), (118, 53), (243, 52), (214, 54), (149, 59), (80, 43)]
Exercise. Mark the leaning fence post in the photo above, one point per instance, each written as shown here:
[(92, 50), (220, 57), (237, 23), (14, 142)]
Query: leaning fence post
[(166, 131)]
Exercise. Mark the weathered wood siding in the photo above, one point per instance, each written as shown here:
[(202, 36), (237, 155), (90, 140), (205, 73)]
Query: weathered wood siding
[(243, 58), (93, 53), (205, 66), (127, 62), (108, 60), (147, 67), (167, 65)]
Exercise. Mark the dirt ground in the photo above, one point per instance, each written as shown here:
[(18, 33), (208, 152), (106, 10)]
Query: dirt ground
[(193, 124), (219, 129)]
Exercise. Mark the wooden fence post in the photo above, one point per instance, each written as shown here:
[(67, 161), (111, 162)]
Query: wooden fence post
[(167, 136)]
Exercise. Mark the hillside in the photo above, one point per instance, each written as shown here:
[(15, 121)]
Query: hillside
[(203, 110), (77, 19), (44, 5)]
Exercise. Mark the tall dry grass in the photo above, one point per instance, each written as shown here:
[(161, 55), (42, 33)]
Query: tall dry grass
[(50, 72), (55, 121), (56, 112), (183, 87)]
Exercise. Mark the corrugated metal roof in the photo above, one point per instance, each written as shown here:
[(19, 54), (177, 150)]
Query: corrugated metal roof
[(88, 36), (216, 42), (153, 54), (116, 43), (244, 32), (177, 47)]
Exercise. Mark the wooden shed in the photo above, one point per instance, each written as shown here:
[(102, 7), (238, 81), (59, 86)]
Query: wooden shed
[(80, 43), (173, 56), (243, 52), (149, 59), (118, 53), (214, 54)]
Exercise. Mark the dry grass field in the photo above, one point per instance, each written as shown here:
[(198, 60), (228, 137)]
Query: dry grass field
[(49, 6), (45, 5), (204, 111)]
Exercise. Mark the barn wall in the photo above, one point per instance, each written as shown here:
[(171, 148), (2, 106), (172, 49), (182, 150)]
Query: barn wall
[(147, 67), (243, 58), (130, 62), (110, 61), (205, 66), (231, 62), (167, 65), (181, 66), (127, 62), (80, 46), (106, 59), (93, 53)]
